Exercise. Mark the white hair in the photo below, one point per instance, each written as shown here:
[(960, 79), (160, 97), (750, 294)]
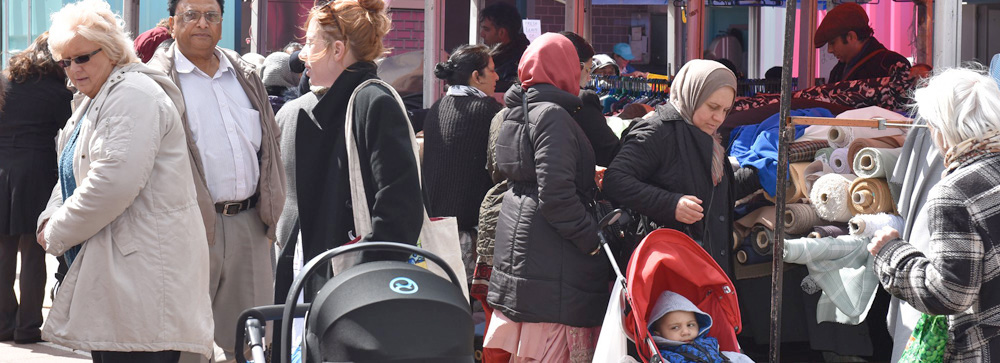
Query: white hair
[(961, 103), (93, 20)]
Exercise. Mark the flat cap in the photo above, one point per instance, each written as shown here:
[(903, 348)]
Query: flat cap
[(842, 19)]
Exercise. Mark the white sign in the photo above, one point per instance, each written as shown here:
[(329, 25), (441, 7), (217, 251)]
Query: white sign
[(532, 28)]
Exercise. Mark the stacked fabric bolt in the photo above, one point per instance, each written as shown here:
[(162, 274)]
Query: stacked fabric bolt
[(865, 225)]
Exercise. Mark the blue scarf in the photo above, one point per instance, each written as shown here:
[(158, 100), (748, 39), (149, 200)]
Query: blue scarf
[(67, 181)]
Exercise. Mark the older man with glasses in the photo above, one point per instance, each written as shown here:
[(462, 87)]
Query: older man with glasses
[(233, 141)]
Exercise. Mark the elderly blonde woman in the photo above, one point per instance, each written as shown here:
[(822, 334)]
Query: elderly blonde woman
[(957, 274), (136, 290)]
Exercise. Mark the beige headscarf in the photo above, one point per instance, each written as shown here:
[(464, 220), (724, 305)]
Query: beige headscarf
[(694, 83)]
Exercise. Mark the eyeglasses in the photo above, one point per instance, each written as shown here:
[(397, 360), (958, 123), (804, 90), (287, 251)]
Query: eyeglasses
[(191, 16), (65, 63)]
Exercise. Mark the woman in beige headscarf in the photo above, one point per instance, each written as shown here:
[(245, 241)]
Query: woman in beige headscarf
[(672, 166)]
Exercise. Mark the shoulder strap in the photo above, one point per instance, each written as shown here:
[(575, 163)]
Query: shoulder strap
[(362, 216)]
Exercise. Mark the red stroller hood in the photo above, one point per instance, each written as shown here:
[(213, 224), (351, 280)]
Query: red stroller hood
[(668, 259)]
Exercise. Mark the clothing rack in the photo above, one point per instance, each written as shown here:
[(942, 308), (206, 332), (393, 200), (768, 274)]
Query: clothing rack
[(787, 135), (635, 86)]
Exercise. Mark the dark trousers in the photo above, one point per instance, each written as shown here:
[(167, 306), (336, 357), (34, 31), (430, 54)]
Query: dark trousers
[(168, 356), (21, 321)]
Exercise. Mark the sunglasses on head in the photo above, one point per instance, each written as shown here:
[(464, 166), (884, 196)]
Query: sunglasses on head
[(65, 63)]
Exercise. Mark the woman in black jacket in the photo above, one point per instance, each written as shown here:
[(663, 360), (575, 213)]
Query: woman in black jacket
[(37, 106), (456, 131), (343, 40), (672, 166), (548, 281)]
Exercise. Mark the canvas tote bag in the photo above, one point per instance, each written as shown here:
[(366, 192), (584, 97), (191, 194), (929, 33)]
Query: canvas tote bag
[(438, 236)]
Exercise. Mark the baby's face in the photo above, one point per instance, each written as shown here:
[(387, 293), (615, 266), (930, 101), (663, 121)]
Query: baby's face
[(678, 326)]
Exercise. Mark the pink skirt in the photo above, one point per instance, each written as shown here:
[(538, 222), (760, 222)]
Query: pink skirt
[(541, 342)]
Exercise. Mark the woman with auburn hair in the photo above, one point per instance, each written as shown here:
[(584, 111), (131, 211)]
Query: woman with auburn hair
[(38, 106), (343, 39), (123, 212)]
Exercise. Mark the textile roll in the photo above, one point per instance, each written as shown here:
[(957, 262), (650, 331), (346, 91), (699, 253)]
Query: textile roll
[(834, 230), (870, 196), (865, 225), (746, 255), (830, 197), (839, 162), (796, 190), (763, 216), (884, 142), (876, 162), (761, 239), (800, 218), (813, 172), (800, 151), (824, 154), (737, 240), (842, 136)]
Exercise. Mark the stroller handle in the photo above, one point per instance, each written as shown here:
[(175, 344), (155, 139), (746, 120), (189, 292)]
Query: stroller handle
[(309, 268)]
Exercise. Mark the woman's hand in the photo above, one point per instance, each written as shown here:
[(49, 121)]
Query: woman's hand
[(689, 210), (882, 237), (40, 237)]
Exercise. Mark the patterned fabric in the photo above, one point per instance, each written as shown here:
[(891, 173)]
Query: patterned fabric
[(971, 148), (805, 150), (701, 350), (462, 91), (960, 278), (890, 93), (841, 267)]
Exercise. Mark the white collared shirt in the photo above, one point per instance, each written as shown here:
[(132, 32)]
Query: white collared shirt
[(224, 126)]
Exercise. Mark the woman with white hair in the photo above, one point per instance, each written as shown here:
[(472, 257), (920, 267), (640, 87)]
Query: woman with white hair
[(123, 212), (957, 275)]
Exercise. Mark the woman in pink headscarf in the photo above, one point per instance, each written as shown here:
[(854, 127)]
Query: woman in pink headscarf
[(549, 284)]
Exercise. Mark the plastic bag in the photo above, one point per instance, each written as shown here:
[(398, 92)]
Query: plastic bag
[(928, 341)]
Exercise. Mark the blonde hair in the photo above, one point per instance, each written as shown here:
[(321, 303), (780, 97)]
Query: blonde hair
[(93, 20), (961, 103), (360, 24)]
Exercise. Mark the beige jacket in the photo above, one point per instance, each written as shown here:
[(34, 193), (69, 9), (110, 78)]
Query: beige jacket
[(140, 282), (271, 186)]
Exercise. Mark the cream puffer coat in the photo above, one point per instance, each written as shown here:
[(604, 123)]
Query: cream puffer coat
[(140, 282)]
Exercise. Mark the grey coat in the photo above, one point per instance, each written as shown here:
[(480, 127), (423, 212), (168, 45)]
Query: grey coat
[(542, 270)]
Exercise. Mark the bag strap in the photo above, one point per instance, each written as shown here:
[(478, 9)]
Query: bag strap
[(362, 216)]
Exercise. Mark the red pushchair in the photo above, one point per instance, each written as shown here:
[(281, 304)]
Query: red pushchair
[(668, 259)]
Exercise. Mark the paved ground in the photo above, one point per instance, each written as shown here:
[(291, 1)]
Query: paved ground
[(42, 352)]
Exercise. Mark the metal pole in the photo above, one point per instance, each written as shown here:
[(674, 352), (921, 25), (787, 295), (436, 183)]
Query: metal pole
[(430, 51), (753, 43), (947, 34), (777, 268), (807, 53)]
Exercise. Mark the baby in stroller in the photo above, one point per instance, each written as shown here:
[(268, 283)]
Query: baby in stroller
[(680, 332)]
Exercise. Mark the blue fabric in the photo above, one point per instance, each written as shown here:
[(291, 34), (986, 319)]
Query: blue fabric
[(705, 348), (757, 145), (607, 102), (995, 68), (68, 182)]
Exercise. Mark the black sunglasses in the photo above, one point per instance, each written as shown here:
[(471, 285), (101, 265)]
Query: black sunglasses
[(65, 63)]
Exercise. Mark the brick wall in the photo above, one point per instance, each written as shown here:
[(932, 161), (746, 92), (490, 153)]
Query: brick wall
[(407, 32), (610, 25)]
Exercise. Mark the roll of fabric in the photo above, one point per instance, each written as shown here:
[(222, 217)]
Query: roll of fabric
[(876, 162), (737, 240), (842, 136), (839, 162), (798, 173), (800, 218), (823, 154), (830, 197), (813, 172), (865, 225), (833, 230), (871, 196), (800, 151), (762, 216), (792, 194), (884, 142), (761, 239), (746, 255)]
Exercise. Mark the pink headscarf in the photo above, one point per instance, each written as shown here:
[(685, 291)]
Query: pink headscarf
[(550, 59)]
